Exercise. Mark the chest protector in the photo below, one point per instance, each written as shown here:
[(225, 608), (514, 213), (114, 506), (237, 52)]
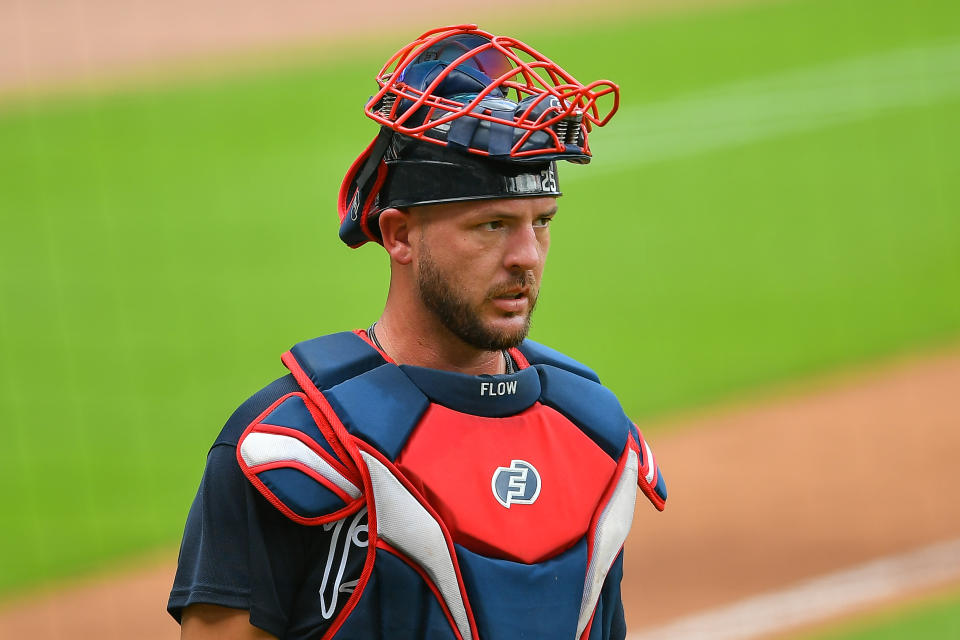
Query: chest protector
[(497, 505)]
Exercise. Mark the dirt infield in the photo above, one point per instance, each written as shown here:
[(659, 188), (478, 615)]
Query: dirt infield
[(760, 497)]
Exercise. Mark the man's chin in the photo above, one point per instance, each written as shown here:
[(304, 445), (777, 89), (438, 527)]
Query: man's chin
[(509, 332)]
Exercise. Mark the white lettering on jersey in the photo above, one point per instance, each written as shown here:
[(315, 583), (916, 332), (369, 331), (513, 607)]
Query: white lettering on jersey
[(355, 538), (507, 388)]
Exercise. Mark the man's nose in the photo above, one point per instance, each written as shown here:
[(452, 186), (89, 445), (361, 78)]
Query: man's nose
[(524, 251)]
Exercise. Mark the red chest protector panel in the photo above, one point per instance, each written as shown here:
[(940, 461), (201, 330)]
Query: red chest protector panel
[(452, 459), (521, 468)]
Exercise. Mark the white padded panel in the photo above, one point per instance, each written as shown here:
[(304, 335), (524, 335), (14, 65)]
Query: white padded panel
[(409, 528), (260, 448), (651, 463), (611, 532)]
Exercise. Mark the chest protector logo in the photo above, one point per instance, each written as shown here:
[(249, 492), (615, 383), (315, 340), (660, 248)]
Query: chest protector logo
[(517, 484)]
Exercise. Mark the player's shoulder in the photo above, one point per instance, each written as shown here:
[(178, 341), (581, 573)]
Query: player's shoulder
[(285, 443), (254, 406), (323, 361)]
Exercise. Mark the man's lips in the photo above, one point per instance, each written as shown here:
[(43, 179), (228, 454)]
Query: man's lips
[(512, 300)]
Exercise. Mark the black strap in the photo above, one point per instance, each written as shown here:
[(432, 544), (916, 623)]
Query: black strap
[(376, 155)]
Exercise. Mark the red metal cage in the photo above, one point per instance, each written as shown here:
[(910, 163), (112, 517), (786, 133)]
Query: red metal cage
[(571, 111)]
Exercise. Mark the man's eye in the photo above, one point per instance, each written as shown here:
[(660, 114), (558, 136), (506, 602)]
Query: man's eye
[(492, 225), (542, 222)]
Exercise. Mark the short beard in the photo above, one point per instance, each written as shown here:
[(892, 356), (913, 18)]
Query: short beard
[(456, 314)]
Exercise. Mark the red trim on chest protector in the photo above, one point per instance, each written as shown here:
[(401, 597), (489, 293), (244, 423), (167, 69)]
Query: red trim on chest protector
[(452, 457)]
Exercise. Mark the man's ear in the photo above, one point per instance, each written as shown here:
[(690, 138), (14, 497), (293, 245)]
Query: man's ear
[(395, 230)]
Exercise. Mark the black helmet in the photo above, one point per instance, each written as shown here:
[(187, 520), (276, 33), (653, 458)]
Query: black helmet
[(450, 130)]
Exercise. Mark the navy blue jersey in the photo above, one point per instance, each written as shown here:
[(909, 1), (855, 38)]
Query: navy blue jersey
[(238, 551)]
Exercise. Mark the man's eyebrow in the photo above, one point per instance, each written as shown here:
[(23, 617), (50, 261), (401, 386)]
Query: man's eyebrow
[(504, 213), (551, 211)]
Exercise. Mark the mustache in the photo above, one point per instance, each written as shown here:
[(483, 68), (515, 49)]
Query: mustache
[(527, 279)]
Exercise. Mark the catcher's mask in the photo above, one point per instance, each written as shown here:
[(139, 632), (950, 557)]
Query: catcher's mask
[(466, 115)]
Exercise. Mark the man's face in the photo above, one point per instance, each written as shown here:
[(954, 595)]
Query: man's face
[(479, 266)]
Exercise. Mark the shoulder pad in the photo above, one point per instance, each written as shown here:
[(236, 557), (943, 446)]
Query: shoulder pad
[(292, 456), (536, 353), (588, 404), (329, 360), (650, 479)]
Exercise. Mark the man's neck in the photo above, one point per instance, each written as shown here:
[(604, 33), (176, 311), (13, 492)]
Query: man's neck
[(432, 345)]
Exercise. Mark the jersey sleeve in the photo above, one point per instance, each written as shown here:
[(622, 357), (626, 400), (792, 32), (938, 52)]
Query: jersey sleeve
[(237, 550), (240, 551)]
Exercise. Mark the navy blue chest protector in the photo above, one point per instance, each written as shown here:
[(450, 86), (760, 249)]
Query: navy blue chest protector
[(497, 506)]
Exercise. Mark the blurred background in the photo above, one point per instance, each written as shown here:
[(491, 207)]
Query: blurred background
[(762, 261)]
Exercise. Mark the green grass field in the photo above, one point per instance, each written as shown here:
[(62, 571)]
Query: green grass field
[(778, 198), (935, 619)]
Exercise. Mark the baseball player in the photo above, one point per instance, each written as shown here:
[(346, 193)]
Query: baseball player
[(436, 474)]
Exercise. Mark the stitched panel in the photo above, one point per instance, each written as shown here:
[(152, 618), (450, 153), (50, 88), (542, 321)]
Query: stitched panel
[(518, 600), (653, 466), (261, 448), (329, 360), (613, 525), (589, 405), (408, 527), (382, 406), (301, 493), (293, 414)]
